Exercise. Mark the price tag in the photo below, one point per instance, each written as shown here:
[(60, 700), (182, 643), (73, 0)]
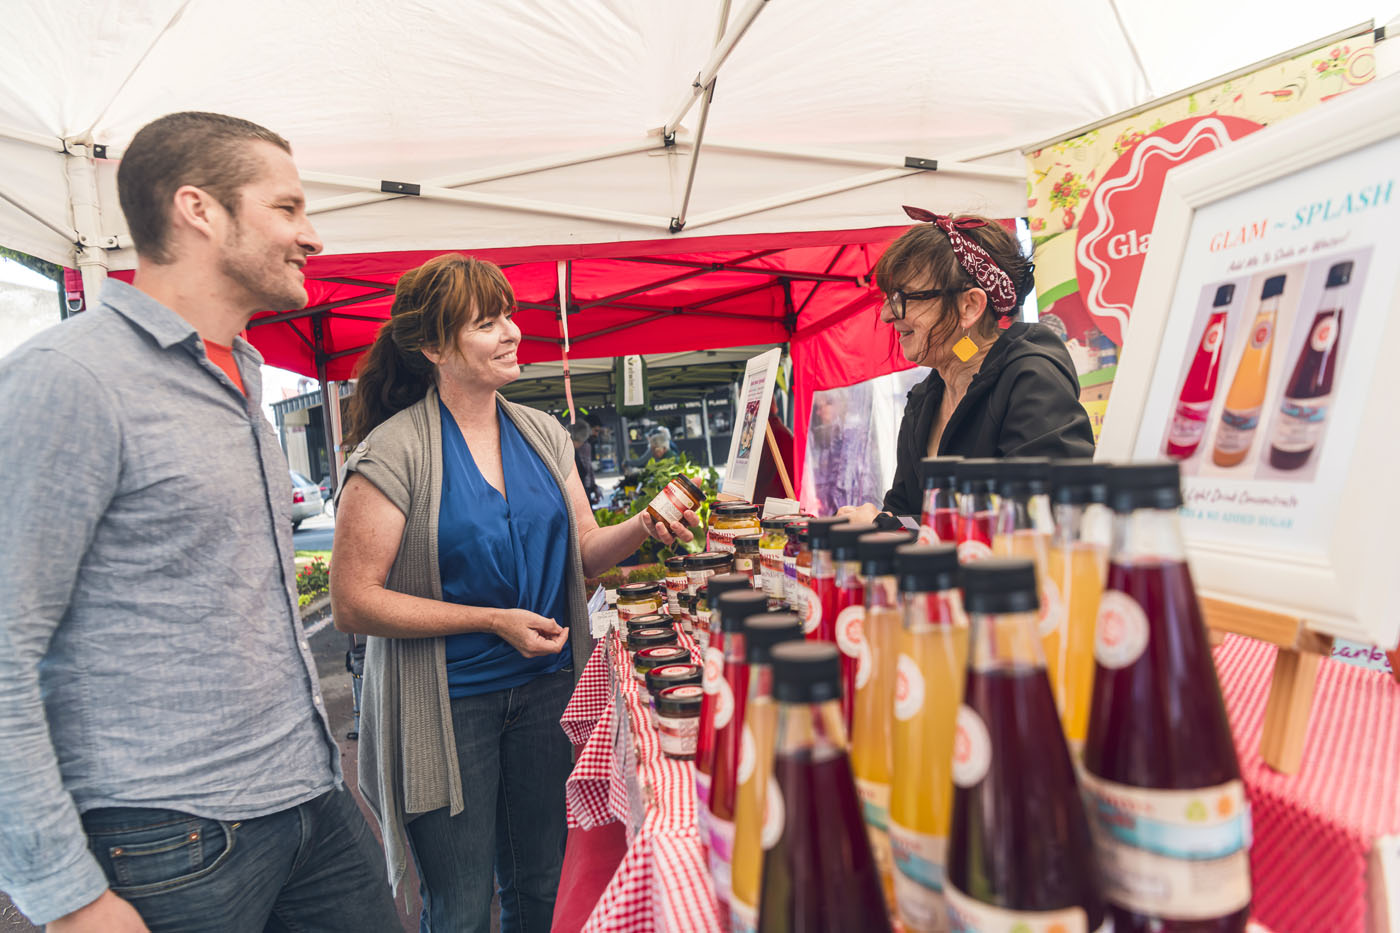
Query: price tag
[(600, 623)]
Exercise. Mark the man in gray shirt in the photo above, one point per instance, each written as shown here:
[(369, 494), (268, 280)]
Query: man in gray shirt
[(167, 762)]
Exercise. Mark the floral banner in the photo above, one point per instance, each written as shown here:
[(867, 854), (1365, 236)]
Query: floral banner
[(1093, 198)]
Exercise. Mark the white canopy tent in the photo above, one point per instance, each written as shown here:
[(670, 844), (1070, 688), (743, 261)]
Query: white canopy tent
[(497, 123)]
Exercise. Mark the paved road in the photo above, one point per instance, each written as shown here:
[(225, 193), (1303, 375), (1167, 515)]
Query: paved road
[(315, 534)]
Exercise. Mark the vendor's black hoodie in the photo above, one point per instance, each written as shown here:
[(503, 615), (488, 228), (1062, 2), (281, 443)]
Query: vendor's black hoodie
[(1023, 402)]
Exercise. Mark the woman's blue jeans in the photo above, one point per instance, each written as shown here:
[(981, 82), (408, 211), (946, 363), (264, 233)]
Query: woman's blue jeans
[(514, 759)]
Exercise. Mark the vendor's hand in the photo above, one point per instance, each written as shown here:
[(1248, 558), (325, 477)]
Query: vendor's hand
[(859, 514), (108, 914), (668, 533), (532, 635)]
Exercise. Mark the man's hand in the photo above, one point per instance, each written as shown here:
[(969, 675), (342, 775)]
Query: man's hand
[(107, 914), (531, 634), (669, 534)]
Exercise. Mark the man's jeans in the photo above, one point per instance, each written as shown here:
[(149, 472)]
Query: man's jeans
[(514, 759), (313, 867)]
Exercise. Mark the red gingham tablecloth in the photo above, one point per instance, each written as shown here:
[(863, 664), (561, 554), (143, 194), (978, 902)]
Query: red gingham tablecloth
[(1314, 831), (663, 882)]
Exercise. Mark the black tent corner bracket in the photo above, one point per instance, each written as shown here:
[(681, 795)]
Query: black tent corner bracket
[(928, 165), (400, 187)]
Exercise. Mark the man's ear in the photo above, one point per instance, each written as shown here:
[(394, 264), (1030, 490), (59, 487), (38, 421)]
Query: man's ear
[(197, 210)]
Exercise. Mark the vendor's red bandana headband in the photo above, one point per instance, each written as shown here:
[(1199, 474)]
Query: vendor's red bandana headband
[(973, 258)]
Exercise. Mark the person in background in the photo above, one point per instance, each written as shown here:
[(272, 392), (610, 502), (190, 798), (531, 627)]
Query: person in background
[(583, 460), (951, 284), (168, 762), (659, 445), (461, 545)]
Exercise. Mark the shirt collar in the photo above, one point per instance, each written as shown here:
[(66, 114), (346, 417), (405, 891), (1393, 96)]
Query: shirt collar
[(163, 324)]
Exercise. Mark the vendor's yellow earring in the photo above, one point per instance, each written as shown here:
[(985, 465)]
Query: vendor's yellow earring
[(965, 349)]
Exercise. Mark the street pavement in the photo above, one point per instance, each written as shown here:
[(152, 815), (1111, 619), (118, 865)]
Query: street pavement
[(315, 534)]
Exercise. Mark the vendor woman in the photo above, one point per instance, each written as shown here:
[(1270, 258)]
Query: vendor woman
[(950, 284)]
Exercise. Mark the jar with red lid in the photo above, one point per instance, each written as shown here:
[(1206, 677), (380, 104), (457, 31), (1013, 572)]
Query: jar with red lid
[(678, 720), (648, 659)]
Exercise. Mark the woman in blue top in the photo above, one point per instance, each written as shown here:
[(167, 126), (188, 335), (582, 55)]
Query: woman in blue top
[(462, 538)]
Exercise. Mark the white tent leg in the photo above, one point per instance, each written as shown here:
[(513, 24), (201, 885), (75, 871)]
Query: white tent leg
[(92, 244)]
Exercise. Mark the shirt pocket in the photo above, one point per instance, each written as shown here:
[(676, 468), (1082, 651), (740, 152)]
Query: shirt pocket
[(160, 857)]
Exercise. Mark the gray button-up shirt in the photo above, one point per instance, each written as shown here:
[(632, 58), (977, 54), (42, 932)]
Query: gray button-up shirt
[(151, 651)]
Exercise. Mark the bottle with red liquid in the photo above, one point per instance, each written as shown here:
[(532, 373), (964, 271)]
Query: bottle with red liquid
[(939, 522), (732, 692), (1019, 849), (716, 694), (1308, 394), (1198, 391), (741, 798), (850, 605), (1161, 780), (819, 875), (818, 607), (976, 511)]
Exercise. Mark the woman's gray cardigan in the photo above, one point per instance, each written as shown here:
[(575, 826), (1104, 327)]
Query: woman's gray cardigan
[(408, 755)]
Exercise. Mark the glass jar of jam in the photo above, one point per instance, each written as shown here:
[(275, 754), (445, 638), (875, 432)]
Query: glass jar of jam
[(770, 551), (791, 550), (656, 620), (676, 582), (700, 616), (746, 559), (686, 599), (678, 720), (700, 567), (677, 497), (648, 659), (638, 599), (671, 675), (728, 520), (637, 639)]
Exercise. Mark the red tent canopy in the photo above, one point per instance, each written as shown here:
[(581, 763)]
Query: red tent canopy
[(811, 289)]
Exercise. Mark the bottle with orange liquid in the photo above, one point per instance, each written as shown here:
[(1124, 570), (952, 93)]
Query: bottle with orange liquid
[(928, 690), (1078, 560), (850, 605), (1020, 855), (1171, 821), (976, 509), (818, 872), (939, 522), (761, 634), (1245, 401), (873, 715)]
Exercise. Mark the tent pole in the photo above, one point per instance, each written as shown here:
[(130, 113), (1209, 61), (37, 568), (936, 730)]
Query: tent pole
[(723, 48), (330, 422), (678, 222), (91, 245), (953, 165), (705, 430)]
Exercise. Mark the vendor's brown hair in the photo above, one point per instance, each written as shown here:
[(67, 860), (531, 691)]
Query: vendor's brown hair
[(923, 258), (210, 151), (432, 304)]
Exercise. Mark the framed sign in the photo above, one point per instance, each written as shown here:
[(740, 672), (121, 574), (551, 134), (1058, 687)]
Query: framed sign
[(751, 425), (1262, 355)]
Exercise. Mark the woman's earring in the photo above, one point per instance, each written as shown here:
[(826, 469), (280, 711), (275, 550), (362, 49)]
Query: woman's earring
[(965, 349)]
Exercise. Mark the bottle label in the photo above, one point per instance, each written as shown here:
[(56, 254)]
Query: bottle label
[(969, 916), (748, 757), (1324, 335), (1212, 338), (809, 608), (973, 550), (1263, 330), (927, 535), (724, 704), (1300, 424), (908, 689), (972, 748), (918, 878), (774, 815), (874, 803), (1052, 608), (1188, 424), (722, 858), (1174, 854), (1121, 630), (713, 673), (743, 918), (848, 630), (702, 794), (1237, 429)]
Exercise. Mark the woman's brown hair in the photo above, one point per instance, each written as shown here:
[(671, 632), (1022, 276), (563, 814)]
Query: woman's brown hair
[(432, 304), (923, 258)]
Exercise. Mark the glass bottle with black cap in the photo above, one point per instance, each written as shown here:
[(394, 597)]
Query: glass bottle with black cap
[(1019, 850), (717, 705), (819, 875), (761, 635), (850, 596), (1160, 769), (928, 690), (872, 676), (1077, 563), (1023, 508), (818, 606), (939, 522), (976, 511)]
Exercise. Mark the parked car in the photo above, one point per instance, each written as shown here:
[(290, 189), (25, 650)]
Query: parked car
[(306, 499), (328, 494)]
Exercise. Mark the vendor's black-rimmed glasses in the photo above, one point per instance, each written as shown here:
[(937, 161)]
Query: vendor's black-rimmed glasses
[(898, 300)]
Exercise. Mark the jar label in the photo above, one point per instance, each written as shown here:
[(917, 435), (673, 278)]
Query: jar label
[(1182, 854), (908, 689), (774, 815), (743, 564), (772, 560), (918, 878), (635, 609), (967, 916), (1121, 631), (671, 504), (973, 550), (678, 735), (972, 748), (1052, 608), (720, 539)]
